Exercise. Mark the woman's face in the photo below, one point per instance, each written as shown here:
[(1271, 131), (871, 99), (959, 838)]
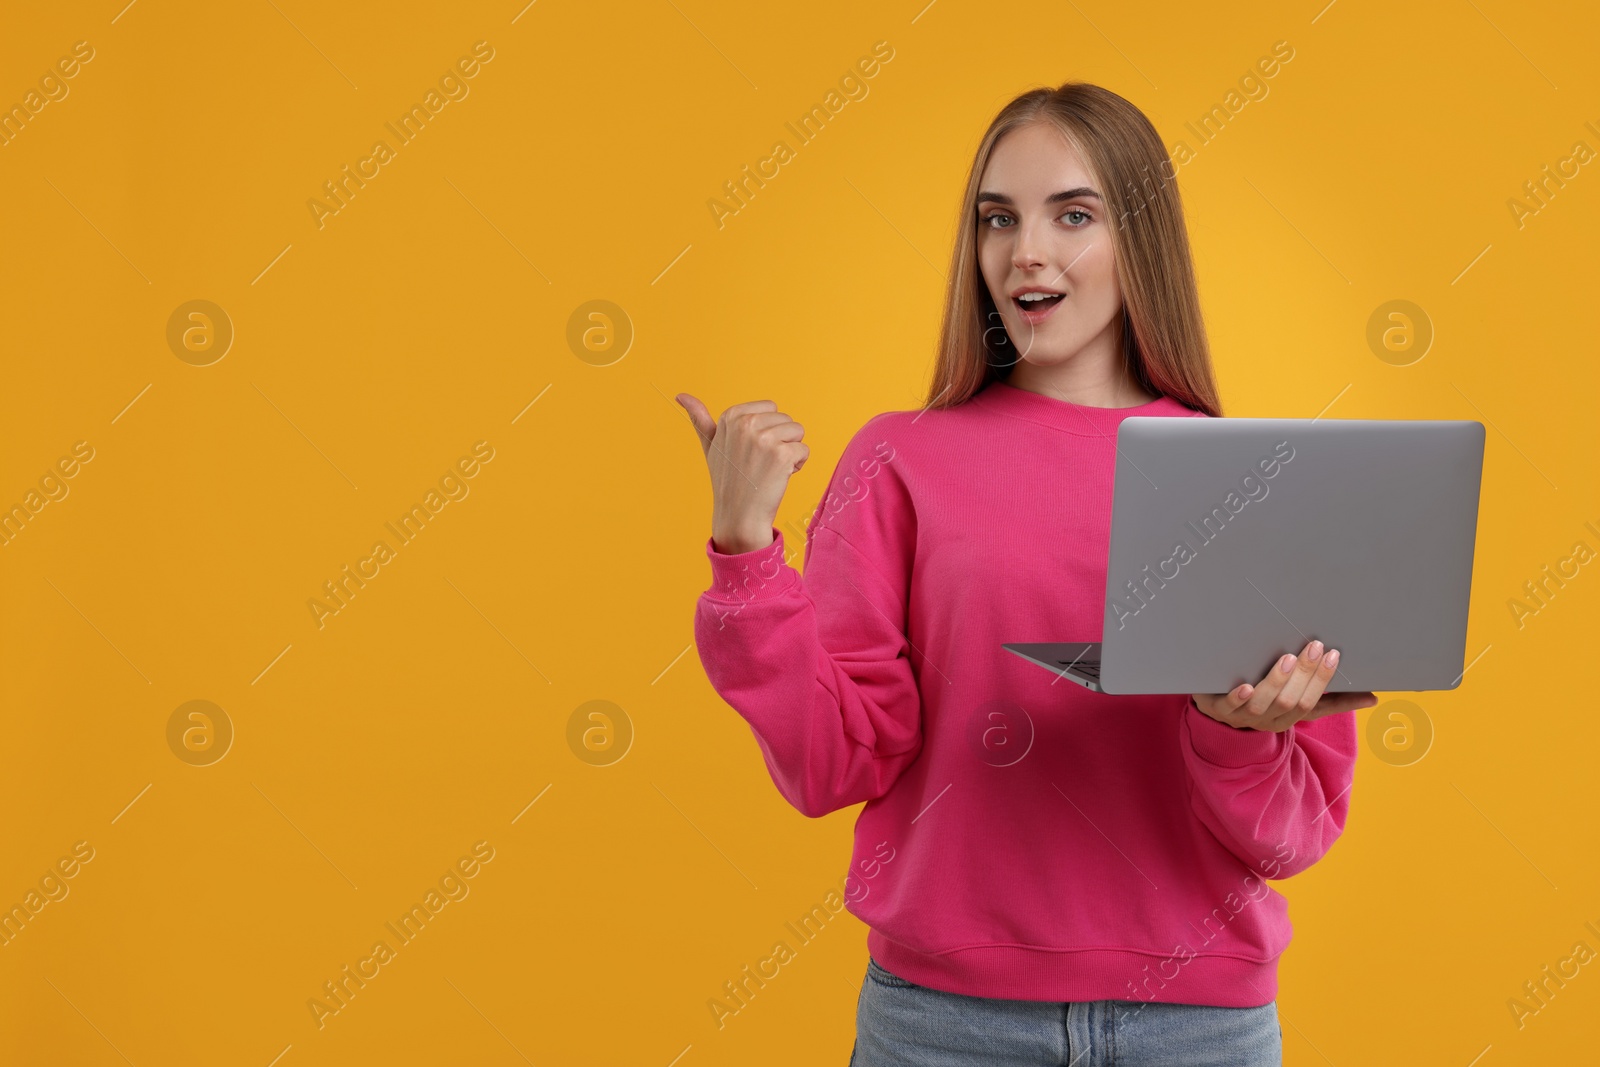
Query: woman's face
[(1042, 226)]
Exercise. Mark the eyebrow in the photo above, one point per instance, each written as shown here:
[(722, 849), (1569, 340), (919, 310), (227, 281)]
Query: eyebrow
[(1053, 198)]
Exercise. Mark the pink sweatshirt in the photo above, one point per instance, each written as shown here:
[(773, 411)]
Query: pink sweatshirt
[(1022, 837)]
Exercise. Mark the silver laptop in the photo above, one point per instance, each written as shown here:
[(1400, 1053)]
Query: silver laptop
[(1234, 541)]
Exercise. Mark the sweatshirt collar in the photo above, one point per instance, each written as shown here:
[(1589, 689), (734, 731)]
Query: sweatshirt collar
[(1081, 419)]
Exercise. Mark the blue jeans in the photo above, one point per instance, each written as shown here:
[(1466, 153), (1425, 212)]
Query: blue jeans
[(900, 1023)]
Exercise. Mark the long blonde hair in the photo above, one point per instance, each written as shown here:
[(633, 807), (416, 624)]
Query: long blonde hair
[(1163, 335)]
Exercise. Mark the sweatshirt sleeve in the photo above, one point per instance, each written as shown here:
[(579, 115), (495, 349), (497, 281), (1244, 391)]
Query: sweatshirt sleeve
[(1263, 792), (819, 665)]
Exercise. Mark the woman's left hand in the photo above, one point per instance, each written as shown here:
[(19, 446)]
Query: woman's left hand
[(1291, 692)]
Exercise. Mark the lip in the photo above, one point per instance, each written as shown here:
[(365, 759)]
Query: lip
[(1034, 318)]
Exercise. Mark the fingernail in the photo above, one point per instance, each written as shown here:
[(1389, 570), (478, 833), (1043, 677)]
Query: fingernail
[(1244, 692), (1315, 651), (1286, 664), (1332, 659)]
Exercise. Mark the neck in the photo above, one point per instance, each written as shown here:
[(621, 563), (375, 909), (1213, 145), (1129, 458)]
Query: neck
[(1096, 375), (1087, 386)]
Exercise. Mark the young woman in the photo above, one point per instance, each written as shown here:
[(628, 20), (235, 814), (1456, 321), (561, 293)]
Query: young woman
[(1049, 875)]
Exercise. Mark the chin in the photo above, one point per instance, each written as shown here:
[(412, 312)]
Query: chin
[(1047, 359)]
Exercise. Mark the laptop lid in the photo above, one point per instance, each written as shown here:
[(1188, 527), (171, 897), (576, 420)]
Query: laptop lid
[(1234, 541)]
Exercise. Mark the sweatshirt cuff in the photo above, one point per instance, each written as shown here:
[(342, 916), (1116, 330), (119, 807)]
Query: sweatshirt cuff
[(742, 577), (1230, 746)]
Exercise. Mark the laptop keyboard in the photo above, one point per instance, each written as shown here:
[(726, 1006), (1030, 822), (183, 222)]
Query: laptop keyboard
[(1089, 667)]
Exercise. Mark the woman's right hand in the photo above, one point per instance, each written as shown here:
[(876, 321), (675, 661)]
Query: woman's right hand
[(751, 452)]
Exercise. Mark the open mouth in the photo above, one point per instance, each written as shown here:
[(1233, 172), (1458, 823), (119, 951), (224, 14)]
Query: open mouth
[(1034, 309)]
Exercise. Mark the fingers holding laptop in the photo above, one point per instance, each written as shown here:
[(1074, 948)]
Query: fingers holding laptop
[(1291, 692)]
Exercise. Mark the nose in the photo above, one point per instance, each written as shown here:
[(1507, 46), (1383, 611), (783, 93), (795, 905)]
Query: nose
[(1028, 253)]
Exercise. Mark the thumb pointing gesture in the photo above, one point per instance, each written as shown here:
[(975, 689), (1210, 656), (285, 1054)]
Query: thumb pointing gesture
[(751, 453), (704, 425)]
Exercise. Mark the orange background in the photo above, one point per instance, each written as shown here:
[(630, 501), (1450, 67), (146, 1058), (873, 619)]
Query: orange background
[(371, 353)]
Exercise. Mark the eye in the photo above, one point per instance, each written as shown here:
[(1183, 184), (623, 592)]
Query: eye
[(990, 219)]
